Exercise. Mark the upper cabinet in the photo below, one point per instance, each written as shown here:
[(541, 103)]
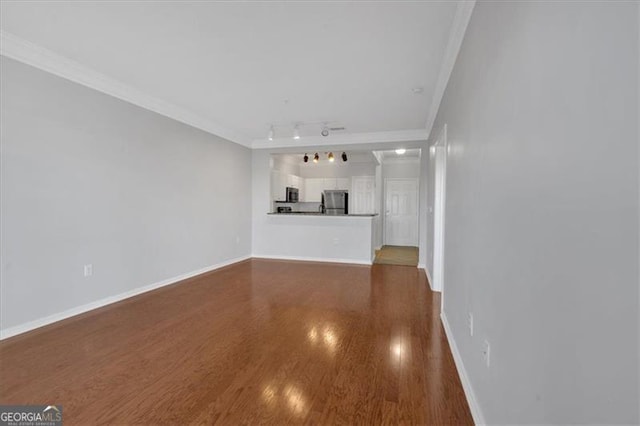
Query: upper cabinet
[(337, 183), (279, 183), (362, 197), (343, 183), (310, 189), (313, 189)]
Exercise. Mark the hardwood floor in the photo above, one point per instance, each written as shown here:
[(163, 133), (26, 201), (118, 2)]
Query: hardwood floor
[(261, 341), (397, 255)]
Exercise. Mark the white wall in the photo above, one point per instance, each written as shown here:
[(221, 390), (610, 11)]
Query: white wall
[(337, 169), (542, 210), (401, 169), (87, 178), (281, 164)]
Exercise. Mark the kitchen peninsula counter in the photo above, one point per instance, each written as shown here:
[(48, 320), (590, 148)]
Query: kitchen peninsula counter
[(315, 236)]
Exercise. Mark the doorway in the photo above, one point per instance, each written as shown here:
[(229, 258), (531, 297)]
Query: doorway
[(401, 212), (397, 255), (440, 181)]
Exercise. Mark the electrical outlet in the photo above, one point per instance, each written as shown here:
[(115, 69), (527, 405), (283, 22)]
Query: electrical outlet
[(88, 270), (486, 353), (470, 324)]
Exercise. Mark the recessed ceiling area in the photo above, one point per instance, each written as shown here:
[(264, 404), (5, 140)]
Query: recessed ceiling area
[(370, 67)]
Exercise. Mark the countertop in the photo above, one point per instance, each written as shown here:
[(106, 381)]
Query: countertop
[(322, 214)]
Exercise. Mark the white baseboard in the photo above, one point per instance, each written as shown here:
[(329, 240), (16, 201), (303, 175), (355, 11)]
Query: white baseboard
[(41, 322), (426, 271), (313, 259), (476, 412)]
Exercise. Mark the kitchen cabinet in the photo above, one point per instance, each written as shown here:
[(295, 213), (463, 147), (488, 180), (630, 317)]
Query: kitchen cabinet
[(343, 183), (279, 183), (293, 181), (313, 188), (336, 183), (362, 196), (328, 184)]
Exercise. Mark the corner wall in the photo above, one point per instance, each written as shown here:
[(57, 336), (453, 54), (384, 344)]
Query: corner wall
[(90, 179), (542, 211)]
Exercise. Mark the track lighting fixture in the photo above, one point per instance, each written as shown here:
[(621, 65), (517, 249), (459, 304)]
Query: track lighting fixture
[(305, 158), (344, 157), (316, 158), (296, 133), (271, 133), (331, 157), (400, 151)]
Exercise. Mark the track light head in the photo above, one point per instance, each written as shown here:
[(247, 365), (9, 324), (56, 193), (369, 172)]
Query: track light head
[(305, 158), (316, 158), (331, 157), (344, 157)]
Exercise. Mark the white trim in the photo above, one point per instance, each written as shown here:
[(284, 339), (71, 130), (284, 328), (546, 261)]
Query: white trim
[(401, 160), (426, 271), (41, 322), (476, 412), (456, 35), (440, 200), (344, 139), (32, 54), (312, 259)]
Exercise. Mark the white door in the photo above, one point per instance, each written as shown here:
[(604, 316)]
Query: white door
[(361, 199), (401, 214)]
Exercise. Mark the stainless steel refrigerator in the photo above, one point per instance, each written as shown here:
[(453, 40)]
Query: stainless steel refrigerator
[(335, 202)]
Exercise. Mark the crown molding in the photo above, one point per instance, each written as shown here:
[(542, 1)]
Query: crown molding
[(401, 160), (37, 56), (456, 35), (344, 139)]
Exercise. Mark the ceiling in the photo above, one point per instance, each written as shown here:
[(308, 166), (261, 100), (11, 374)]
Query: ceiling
[(391, 154), (236, 68)]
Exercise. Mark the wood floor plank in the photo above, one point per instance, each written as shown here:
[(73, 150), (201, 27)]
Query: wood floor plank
[(259, 342)]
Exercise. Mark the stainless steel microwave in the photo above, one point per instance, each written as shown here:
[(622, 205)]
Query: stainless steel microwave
[(292, 195)]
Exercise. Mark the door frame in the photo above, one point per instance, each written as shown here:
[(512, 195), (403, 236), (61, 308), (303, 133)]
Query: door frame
[(384, 207), (440, 148)]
